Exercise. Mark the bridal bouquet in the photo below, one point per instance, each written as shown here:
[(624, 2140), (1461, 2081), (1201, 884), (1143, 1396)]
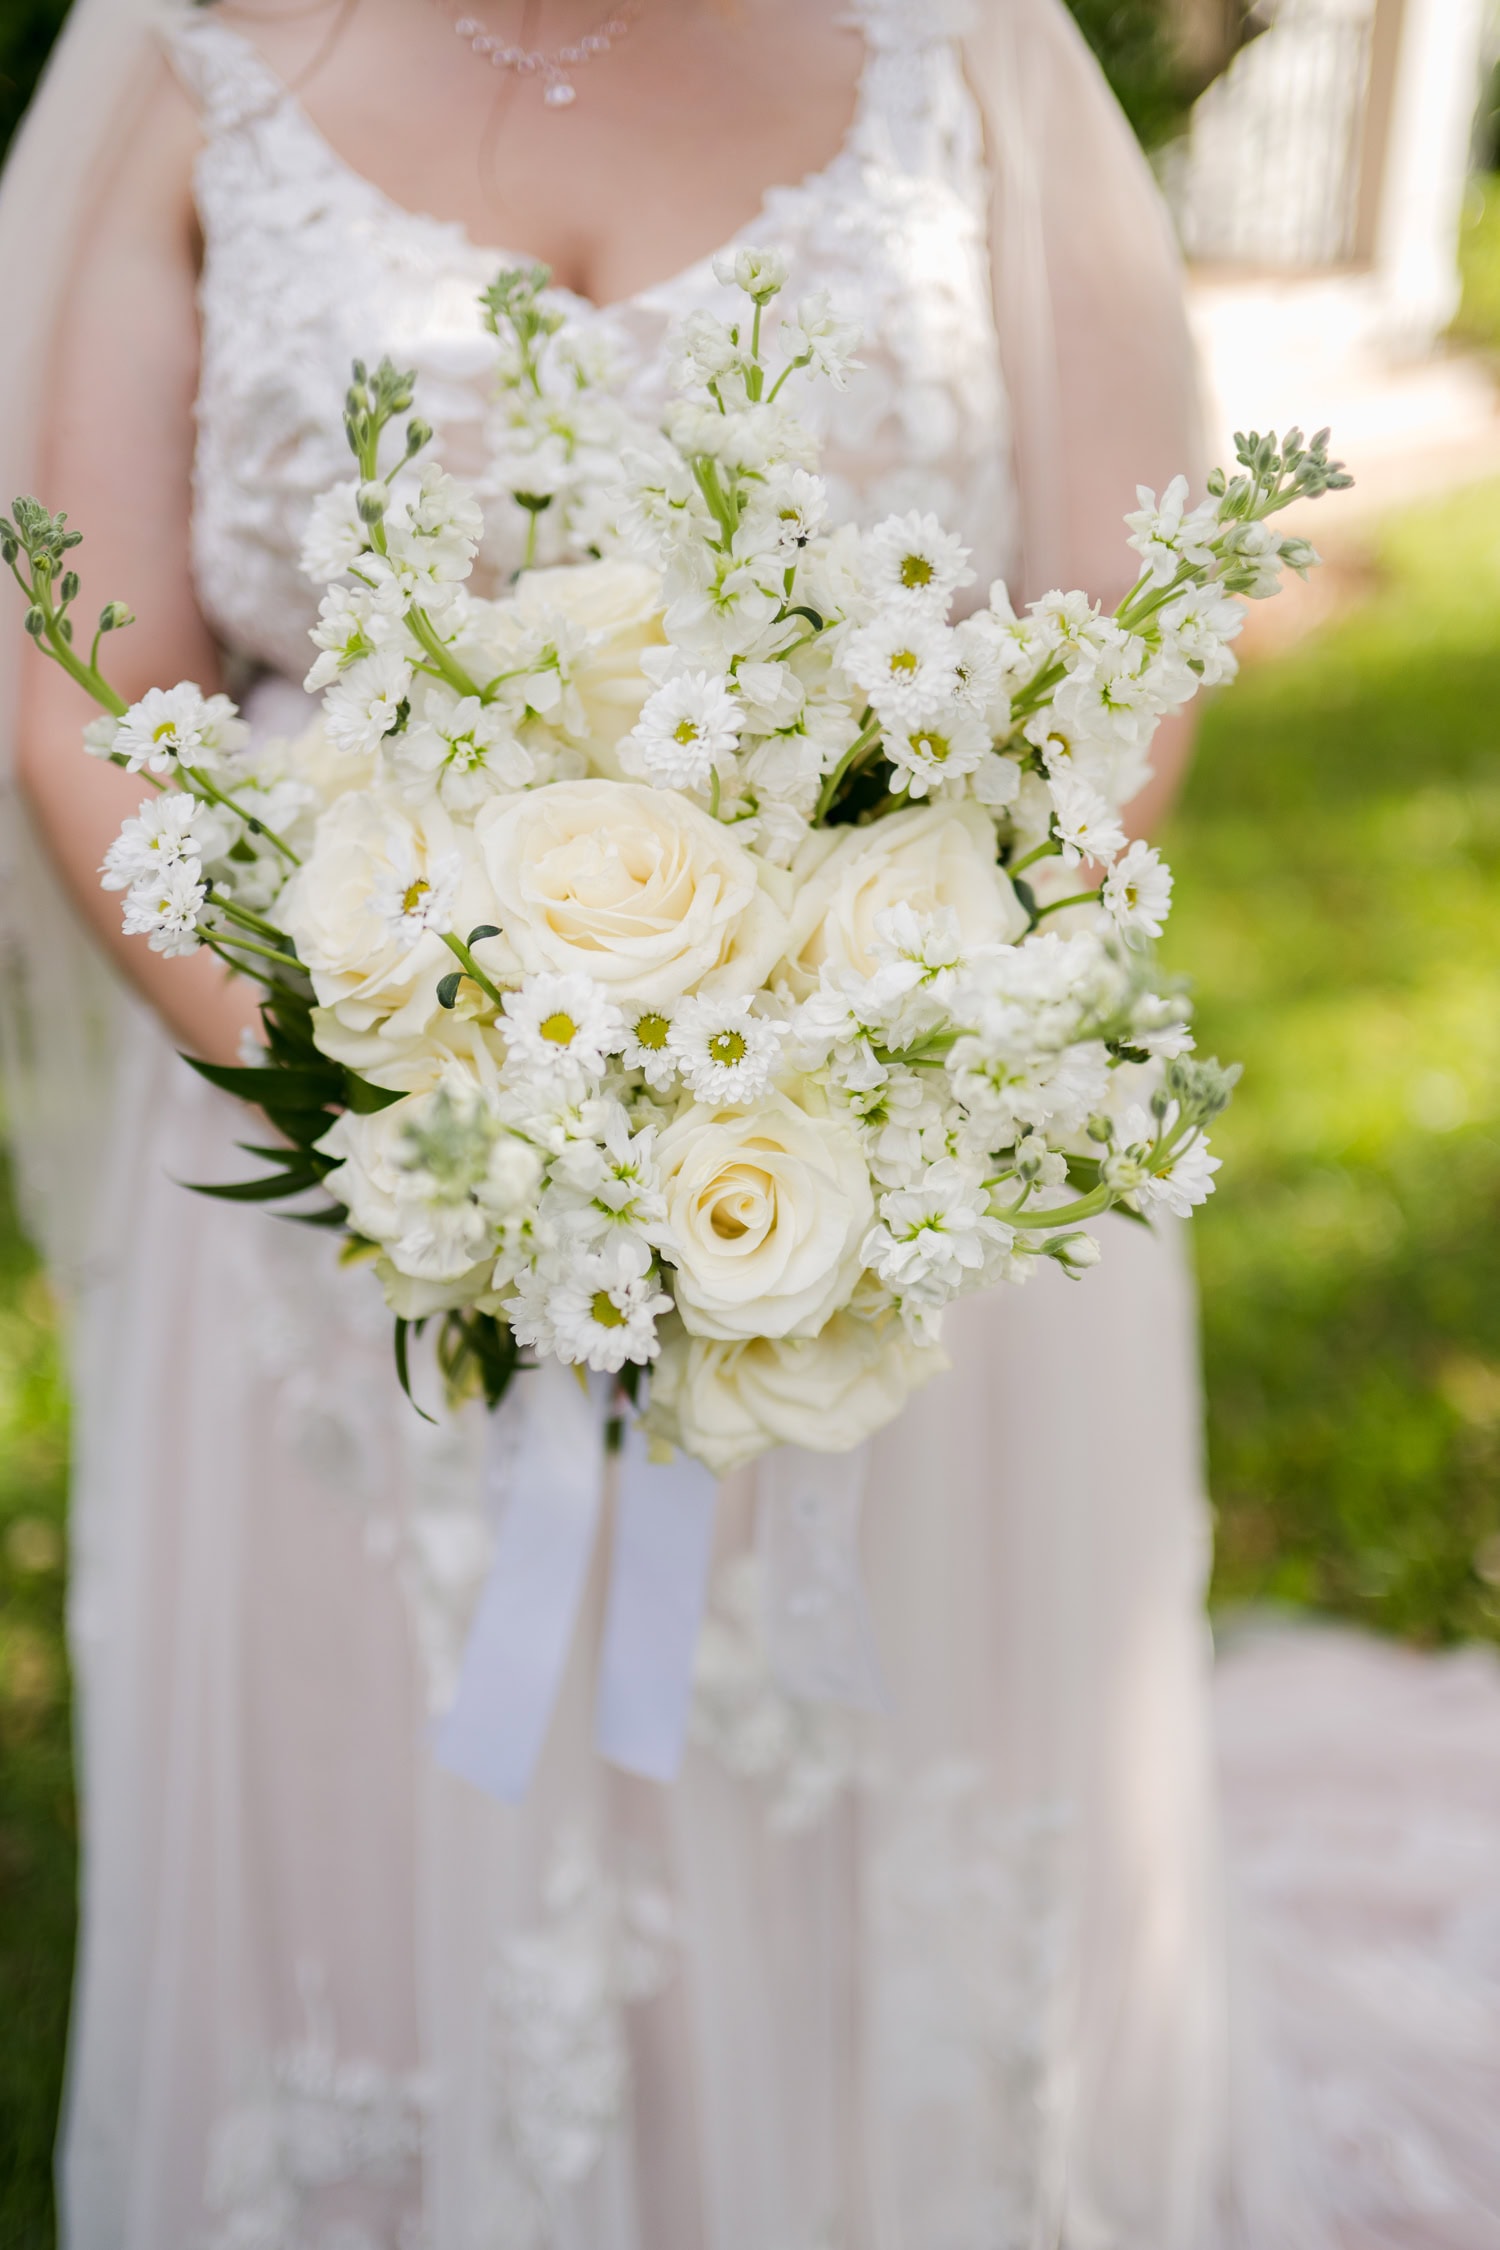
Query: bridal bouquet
[(684, 959)]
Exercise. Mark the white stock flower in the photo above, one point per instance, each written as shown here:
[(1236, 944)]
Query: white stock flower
[(562, 1027), (433, 536), (1129, 1169), (1137, 891), (1087, 826), (465, 749), (760, 273), (598, 1307), (353, 621), (335, 537), (364, 703), (820, 337), (686, 731), (608, 1182), (724, 1054), (929, 858), (1170, 534), (726, 1402), (166, 830), (165, 908), (906, 663), (911, 559), (933, 1235), (634, 886), (705, 347), (179, 726), (767, 1207)]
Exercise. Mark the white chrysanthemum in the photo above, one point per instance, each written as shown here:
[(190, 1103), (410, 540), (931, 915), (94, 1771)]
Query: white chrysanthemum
[(943, 748), (364, 703), (645, 1045), (723, 1052), (760, 273), (168, 828), (686, 731), (598, 1309), (465, 749), (166, 909), (179, 726), (913, 559), (905, 662), (415, 892), (1087, 825), (783, 513), (335, 537), (560, 1026), (1137, 891), (353, 621)]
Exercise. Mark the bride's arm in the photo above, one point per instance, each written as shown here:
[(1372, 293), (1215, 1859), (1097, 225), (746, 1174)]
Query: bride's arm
[(117, 454)]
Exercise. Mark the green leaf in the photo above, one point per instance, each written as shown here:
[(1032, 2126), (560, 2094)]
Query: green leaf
[(447, 990), (364, 1099), (288, 1086), (263, 1190), (481, 930), (403, 1367)]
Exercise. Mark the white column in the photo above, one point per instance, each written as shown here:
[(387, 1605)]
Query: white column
[(1422, 182)]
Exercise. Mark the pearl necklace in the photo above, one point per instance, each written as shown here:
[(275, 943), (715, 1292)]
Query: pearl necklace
[(555, 65)]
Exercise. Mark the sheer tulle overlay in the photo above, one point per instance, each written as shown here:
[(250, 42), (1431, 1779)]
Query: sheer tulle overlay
[(953, 1978)]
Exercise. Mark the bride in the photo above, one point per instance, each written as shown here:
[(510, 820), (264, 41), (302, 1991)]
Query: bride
[(948, 1978)]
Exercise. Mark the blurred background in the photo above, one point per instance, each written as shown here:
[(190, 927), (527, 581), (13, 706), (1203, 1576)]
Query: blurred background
[(1333, 167)]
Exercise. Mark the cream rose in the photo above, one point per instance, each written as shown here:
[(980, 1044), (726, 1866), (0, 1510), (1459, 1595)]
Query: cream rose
[(929, 857), (633, 886), (725, 1403), (618, 604), (768, 1207), (377, 992)]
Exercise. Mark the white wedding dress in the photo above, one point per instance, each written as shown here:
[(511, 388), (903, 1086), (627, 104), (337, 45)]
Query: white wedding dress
[(951, 1979)]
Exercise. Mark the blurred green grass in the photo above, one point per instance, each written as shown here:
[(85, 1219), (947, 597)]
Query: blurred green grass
[(1338, 860), (37, 1851), (1478, 317)]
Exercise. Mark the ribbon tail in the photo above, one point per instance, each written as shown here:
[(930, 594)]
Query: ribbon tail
[(663, 1536), (543, 1478), (819, 1633)]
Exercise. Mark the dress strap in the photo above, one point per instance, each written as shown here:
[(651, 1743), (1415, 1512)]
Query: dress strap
[(226, 77)]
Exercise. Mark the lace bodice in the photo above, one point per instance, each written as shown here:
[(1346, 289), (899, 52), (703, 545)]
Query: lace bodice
[(308, 265)]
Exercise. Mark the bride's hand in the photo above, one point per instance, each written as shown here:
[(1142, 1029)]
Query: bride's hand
[(117, 454)]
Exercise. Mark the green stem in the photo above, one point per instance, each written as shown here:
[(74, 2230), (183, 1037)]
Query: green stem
[(866, 739), (247, 917), (421, 626), (203, 787), (1064, 1215), (1048, 849), (266, 952), (1078, 898), (471, 967), (790, 368)]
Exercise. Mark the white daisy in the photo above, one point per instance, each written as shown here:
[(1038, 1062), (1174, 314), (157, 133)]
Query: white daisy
[(722, 1051), (414, 893), (905, 662), (913, 559), (1086, 824), (1137, 891), (645, 1046), (364, 704), (179, 726), (687, 730), (942, 748), (167, 829), (562, 1028), (166, 908)]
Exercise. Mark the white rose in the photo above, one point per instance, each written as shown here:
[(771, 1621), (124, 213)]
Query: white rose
[(725, 1403), (767, 1209), (932, 856), (618, 604), (635, 887), (367, 979)]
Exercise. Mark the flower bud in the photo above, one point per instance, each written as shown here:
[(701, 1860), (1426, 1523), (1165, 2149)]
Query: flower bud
[(115, 616), (35, 622), (68, 588), (1075, 1253), (373, 500)]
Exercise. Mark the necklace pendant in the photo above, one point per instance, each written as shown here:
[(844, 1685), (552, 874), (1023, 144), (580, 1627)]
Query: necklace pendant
[(559, 93)]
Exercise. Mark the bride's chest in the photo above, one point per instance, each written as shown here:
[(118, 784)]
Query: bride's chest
[(307, 266)]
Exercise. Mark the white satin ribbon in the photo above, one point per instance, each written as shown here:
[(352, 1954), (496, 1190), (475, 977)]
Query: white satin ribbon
[(544, 1480), (543, 1483), (663, 1536), (819, 1635)]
